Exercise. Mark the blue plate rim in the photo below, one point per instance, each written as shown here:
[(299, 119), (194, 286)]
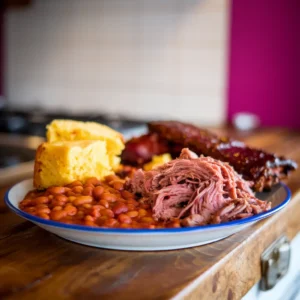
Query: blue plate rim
[(130, 231)]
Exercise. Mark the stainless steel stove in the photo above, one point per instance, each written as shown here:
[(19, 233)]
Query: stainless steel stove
[(34, 122)]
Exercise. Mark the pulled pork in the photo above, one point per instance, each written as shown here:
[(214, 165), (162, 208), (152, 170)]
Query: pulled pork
[(197, 190)]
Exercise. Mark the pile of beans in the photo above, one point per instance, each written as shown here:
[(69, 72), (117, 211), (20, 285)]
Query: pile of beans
[(93, 203)]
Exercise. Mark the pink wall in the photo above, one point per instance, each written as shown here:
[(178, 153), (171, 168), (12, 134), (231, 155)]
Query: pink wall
[(264, 63)]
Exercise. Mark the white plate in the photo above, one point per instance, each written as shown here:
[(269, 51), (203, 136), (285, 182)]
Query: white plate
[(145, 239)]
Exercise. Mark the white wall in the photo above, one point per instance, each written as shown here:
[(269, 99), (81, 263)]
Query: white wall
[(146, 58)]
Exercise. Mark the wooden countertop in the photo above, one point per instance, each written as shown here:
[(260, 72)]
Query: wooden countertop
[(35, 264)]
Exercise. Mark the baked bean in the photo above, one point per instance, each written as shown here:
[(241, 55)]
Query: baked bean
[(31, 209), (109, 197), (71, 210), (124, 219), (113, 191), (93, 180), (95, 210), (57, 215), (41, 206), (89, 223), (125, 225), (77, 189), (87, 205), (42, 199), (79, 214), (175, 223), (98, 191), (43, 216), (88, 191), (147, 220), (98, 207), (55, 202), (111, 178), (132, 214), (110, 222), (119, 208), (89, 218), (142, 212), (43, 210), (56, 208), (131, 207), (102, 219), (57, 190), (59, 200), (26, 202), (95, 213), (121, 200), (133, 202), (89, 185), (82, 200), (127, 195), (75, 183), (107, 212), (151, 226), (145, 206), (118, 185), (71, 198), (70, 193), (104, 203)]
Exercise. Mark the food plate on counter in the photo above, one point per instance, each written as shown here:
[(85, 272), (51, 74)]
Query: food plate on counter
[(177, 186), (146, 239)]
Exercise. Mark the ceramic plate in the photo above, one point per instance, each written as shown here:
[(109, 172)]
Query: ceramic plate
[(146, 239)]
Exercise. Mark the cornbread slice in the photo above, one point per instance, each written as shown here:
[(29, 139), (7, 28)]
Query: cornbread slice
[(69, 130), (60, 163)]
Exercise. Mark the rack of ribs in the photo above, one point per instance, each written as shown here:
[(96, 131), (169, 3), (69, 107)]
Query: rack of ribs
[(261, 168)]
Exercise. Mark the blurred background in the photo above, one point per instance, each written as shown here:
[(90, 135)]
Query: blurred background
[(202, 61), (124, 62)]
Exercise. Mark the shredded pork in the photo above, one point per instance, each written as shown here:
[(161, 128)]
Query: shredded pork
[(198, 190)]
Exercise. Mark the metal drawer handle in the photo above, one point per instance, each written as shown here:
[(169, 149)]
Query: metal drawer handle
[(275, 261)]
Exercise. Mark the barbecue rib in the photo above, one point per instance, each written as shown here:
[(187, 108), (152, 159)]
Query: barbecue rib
[(255, 165)]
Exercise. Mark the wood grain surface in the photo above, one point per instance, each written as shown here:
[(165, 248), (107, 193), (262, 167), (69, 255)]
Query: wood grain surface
[(35, 264)]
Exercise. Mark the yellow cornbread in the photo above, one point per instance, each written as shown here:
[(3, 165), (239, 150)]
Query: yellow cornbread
[(157, 160), (60, 163), (69, 130)]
